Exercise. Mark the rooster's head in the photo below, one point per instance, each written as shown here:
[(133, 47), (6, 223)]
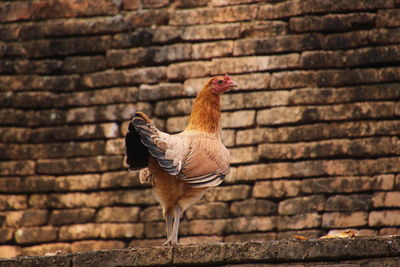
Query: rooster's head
[(221, 84)]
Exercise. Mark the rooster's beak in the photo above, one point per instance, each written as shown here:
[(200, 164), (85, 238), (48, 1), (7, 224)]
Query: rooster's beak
[(234, 84)]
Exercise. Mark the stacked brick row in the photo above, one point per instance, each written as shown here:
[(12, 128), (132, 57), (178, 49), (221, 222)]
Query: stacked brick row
[(312, 131)]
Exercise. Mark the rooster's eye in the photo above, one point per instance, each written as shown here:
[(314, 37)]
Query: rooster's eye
[(220, 81)]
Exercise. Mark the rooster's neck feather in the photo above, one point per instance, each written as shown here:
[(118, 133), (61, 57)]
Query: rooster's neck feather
[(206, 113)]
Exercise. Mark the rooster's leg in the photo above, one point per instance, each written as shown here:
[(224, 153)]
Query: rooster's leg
[(169, 217), (173, 239)]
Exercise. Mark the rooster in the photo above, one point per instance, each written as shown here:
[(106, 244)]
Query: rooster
[(183, 166)]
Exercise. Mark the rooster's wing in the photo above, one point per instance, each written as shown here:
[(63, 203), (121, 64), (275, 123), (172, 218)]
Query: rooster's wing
[(197, 158)]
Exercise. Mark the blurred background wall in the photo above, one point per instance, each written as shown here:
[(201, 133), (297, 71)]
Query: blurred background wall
[(313, 131)]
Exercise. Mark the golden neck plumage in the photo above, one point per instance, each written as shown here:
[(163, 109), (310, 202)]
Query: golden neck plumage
[(206, 113)]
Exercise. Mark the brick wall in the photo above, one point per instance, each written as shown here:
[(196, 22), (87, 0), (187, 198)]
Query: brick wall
[(313, 130)]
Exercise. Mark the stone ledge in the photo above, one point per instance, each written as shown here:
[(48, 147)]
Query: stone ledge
[(286, 251)]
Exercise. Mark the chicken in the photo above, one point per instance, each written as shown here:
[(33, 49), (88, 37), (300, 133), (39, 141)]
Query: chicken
[(181, 167)]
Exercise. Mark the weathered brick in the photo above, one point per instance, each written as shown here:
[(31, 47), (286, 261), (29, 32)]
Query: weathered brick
[(115, 146), (131, 4), (121, 230), (348, 203), (124, 77), (13, 201), (384, 218), (119, 179), (344, 219), (283, 169), (389, 231), (8, 251), (91, 245), (301, 205), (365, 147), (19, 117), (118, 214), (57, 9), (317, 131), (127, 57), (208, 211), (253, 207), (84, 64), (208, 227), (6, 234), (10, 31), (67, 46), (247, 100), (166, 33), (280, 10), (283, 115), (29, 99), (348, 184), (386, 199), (254, 64), (338, 167), (43, 249), (11, 50), (397, 182), (212, 50), (251, 224), (181, 71), (177, 124), (14, 11), (388, 18), (211, 32), (298, 7), (156, 229), (276, 189), (72, 149), (231, 2), (79, 231), (162, 91), (212, 15), (94, 199), (227, 193), (148, 17), (135, 197), (277, 44), (14, 134), (79, 165), (73, 27), (343, 94), (36, 235), (350, 58), (228, 137), (24, 66), (25, 218), (135, 38), (71, 216), (25, 167), (260, 29), (83, 182), (105, 113), (244, 155), (74, 132), (301, 221), (173, 107), (332, 22), (153, 213), (238, 119), (155, 3)]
